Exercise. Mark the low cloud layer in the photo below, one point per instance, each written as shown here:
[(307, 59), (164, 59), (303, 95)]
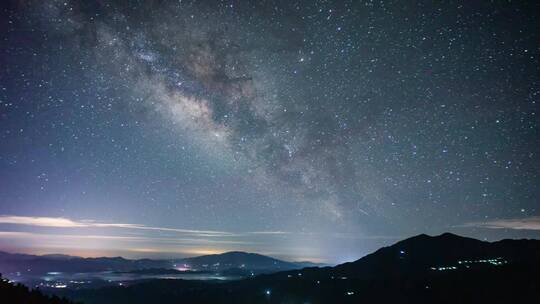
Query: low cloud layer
[(529, 223), (60, 222), (89, 237)]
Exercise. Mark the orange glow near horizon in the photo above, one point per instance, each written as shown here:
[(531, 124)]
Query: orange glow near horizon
[(132, 253)]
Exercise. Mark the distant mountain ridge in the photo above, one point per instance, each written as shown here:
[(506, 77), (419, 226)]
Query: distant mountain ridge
[(421, 253), (57, 263), (237, 259), (421, 269), (258, 263)]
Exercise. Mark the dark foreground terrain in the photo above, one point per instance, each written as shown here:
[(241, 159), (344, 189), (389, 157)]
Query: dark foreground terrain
[(17, 293), (422, 269)]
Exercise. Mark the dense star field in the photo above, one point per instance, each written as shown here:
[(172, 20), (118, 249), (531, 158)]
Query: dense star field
[(315, 130)]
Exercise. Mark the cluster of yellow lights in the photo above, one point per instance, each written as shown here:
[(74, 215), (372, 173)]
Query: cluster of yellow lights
[(495, 261)]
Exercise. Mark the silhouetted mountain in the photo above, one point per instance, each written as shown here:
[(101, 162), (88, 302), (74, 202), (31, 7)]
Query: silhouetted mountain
[(422, 269), (420, 253), (59, 256), (238, 259), (10, 263), (64, 263), (254, 263)]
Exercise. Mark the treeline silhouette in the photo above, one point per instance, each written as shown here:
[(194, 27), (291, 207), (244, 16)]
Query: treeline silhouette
[(17, 293)]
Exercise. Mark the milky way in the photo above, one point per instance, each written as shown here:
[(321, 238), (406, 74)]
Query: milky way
[(308, 130)]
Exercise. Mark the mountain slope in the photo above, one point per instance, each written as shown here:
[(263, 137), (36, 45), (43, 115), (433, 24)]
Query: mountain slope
[(422, 252), (56, 263), (247, 262), (421, 269), (237, 259)]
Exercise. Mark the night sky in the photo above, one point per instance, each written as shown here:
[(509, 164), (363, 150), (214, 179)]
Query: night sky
[(318, 130)]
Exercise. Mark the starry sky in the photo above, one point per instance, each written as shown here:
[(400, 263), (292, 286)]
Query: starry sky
[(306, 130)]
